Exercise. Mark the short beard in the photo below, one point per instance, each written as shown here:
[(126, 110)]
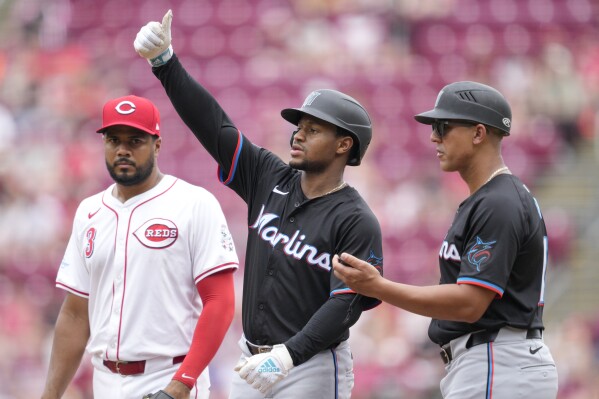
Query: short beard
[(142, 172), (308, 166)]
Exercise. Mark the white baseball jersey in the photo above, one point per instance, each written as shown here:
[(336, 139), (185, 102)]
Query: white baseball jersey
[(138, 263)]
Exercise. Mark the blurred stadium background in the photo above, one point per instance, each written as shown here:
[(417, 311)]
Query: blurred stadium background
[(60, 60)]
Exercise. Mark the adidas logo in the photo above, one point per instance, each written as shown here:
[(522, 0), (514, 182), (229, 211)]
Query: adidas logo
[(269, 367)]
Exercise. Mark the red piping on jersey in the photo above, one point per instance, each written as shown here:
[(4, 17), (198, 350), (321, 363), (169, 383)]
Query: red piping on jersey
[(71, 289), (224, 266), (342, 291), (114, 249), (111, 306), (233, 166), (118, 345)]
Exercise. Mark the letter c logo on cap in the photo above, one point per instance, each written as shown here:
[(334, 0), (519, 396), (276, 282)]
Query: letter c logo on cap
[(120, 110)]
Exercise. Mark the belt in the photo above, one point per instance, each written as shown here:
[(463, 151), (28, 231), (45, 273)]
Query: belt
[(256, 349), (484, 337), (132, 368)]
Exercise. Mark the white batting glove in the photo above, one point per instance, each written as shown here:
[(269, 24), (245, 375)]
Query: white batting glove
[(264, 370), (153, 41)]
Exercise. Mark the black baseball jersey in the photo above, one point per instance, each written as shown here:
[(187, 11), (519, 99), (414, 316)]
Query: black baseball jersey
[(291, 239), (497, 241)]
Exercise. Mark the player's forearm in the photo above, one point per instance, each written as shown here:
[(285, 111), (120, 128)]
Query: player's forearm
[(325, 327), (70, 338), (218, 296), (448, 301)]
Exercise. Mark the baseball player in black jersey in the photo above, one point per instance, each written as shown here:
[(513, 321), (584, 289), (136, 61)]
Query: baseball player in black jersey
[(296, 313), (487, 311)]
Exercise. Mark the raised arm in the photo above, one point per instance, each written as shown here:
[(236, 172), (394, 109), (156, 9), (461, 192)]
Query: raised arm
[(198, 109)]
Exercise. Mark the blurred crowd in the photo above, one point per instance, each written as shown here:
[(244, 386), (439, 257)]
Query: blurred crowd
[(60, 60)]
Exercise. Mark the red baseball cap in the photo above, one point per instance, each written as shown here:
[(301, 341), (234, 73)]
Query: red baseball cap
[(137, 112)]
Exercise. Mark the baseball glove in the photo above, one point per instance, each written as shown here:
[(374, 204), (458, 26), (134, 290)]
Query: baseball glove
[(158, 395)]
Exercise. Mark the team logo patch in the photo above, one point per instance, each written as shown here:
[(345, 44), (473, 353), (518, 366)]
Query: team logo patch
[(157, 233), (480, 252), (225, 239), (125, 107), (310, 99), (375, 261)]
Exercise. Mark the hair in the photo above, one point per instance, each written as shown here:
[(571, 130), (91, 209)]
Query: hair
[(494, 131)]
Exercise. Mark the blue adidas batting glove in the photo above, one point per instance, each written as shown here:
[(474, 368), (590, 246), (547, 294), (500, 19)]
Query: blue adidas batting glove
[(264, 370)]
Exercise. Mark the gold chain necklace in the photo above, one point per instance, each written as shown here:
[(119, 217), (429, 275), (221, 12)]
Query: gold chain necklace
[(498, 171), (339, 187)]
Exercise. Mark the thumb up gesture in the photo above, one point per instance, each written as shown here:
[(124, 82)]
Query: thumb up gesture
[(153, 41)]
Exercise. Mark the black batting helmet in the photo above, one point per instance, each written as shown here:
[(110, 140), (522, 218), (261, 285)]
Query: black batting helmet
[(342, 111), (470, 101)]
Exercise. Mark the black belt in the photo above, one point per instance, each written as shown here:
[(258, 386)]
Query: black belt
[(256, 349), (484, 337), (132, 368)]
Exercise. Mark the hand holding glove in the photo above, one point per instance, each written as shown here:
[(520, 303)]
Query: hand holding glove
[(153, 41), (264, 370), (158, 395)]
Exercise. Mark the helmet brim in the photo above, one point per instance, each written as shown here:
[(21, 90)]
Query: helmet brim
[(429, 117), (293, 115)]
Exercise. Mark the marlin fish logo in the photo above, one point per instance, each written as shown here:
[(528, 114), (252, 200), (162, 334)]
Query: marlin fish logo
[(375, 261), (480, 253)]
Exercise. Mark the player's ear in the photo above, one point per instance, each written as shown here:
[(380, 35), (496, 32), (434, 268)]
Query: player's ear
[(344, 144), (479, 134), (157, 145)]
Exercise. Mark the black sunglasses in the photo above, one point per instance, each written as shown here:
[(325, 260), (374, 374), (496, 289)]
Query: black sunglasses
[(440, 126)]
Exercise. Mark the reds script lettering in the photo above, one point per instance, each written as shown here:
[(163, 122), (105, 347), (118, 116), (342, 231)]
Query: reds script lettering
[(157, 233), (161, 233), (293, 246)]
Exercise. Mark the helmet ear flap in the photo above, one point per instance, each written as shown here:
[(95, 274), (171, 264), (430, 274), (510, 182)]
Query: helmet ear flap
[(292, 136)]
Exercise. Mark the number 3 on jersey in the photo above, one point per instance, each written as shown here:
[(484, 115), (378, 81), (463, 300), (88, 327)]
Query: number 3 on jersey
[(91, 236)]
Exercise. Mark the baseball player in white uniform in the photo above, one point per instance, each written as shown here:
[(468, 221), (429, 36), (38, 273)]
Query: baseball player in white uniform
[(148, 272)]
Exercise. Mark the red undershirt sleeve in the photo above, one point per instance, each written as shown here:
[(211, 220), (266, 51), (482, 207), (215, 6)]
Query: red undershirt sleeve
[(218, 297)]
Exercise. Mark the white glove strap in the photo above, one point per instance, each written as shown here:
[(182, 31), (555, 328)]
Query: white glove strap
[(163, 58), (283, 354)]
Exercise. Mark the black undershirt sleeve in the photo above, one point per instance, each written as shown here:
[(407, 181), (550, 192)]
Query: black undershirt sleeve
[(199, 110), (328, 326)]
